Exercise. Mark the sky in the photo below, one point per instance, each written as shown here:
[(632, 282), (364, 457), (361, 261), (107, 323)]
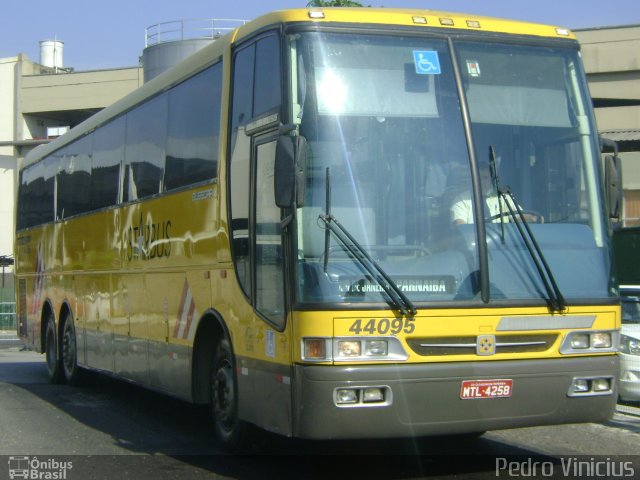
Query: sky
[(111, 34)]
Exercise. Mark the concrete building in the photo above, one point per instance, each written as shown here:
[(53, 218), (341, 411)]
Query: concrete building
[(611, 57), (38, 103)]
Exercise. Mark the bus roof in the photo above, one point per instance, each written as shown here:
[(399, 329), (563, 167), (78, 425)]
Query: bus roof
[(404, 17), (339, 15)]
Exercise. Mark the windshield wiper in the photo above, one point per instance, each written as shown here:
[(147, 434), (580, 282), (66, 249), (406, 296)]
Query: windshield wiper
[(496, 185), (395, 294), (556, 300)]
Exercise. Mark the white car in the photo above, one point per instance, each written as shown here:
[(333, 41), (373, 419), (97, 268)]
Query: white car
[(630, 346)]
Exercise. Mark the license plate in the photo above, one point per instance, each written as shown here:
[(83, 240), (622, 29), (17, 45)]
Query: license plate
[(472, 389)]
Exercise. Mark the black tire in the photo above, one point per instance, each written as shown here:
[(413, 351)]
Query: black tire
[(229, 430), (54, 365), (69, 352)]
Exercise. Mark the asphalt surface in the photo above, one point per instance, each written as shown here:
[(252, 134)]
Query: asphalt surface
[(111, 429)]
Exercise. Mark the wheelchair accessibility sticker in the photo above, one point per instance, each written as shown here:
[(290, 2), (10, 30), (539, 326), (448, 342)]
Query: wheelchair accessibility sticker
[(426, 62)]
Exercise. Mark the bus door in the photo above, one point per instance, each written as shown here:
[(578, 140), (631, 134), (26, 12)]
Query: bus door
[(262, 348)]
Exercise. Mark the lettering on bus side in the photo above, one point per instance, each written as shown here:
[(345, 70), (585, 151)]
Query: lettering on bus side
[(147, 241)]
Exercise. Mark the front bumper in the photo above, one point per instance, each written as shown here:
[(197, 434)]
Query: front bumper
[(426, 397)]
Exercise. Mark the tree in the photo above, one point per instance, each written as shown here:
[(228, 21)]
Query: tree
[(334, 3)]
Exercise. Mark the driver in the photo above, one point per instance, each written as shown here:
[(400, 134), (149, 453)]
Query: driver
[(462, 208)]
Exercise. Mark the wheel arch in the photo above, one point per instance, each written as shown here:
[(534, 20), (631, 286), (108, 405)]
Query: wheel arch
[(211, 329), (65, 311)]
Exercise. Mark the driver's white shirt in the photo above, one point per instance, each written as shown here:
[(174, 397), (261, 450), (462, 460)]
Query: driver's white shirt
[(462, 208)]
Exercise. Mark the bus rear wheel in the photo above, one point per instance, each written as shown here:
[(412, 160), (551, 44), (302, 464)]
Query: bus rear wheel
[(70, 353), (228, 428), (54, 365)]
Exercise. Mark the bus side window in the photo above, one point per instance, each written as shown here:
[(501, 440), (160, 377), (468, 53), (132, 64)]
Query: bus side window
[(194, 129), (108, 152), (145, 149)]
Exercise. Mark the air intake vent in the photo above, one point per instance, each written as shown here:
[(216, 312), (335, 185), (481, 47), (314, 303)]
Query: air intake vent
[(468, 345)]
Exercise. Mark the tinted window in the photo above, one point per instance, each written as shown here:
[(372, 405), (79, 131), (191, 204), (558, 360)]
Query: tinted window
[(145, 150), (269, 295), (194, 127), (242, 91), (74, 179), (108, 153), (36, 200), (240, 168), (267, 76)]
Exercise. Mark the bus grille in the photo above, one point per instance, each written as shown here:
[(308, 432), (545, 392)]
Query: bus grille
[(467, 345)]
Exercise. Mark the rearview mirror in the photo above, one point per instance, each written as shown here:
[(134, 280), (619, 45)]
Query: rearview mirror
[(613, 185)]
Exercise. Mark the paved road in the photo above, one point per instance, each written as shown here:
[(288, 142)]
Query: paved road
[(110, 429)]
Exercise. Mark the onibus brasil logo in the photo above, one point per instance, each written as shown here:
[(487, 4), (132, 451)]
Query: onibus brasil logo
[(33, 468)]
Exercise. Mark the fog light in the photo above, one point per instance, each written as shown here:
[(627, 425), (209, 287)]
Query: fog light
[(601, 340), (376, 347), (346, 395), (348, 349), (580, 385), (580, 340), (315, 349), (601, 385), (370, 395)]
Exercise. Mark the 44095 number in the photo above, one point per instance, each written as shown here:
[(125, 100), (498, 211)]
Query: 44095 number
[(383, 326)]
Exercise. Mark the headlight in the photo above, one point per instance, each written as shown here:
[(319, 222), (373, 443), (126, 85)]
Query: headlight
[(629, 345), (601, 340), (589, 342), (347, 349), (359, 349), (376, 347), (580, 340)]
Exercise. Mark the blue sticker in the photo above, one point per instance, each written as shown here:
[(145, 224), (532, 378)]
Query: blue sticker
[(426, 62)]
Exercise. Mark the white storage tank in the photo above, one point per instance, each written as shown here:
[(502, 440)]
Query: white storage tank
[(168, 43), (51, 53)]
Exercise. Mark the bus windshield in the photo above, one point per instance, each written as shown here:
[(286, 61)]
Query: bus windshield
[(389, 155)]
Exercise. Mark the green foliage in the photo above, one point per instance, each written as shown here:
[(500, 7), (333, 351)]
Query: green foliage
[(334, 3)]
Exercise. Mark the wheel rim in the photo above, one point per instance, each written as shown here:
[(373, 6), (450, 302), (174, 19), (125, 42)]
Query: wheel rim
[(224, 396), (68, 349)]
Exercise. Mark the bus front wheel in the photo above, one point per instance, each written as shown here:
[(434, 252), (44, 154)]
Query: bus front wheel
[(228, 428)]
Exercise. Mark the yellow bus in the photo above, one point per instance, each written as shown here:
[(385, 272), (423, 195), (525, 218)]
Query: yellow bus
[(269, 228)]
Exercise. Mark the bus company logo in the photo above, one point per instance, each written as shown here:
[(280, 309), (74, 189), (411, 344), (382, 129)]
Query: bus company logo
[(146, 241), (486, 345), (33, 468)]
